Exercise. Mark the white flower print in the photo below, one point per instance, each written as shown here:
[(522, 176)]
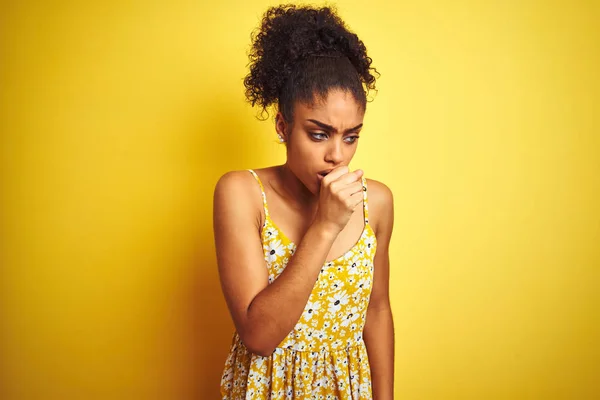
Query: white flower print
[(354, 265), (321, 381), (310, 309), (279, 370), (351, 316), (337, 301), (320, 335), (301, 346), (274, 249), (336, 370), (362, 284), (365, 387), (337, 284), (358, 337), (292, 248), (370, 243), (277, 269), (270, 232), (259, 362)]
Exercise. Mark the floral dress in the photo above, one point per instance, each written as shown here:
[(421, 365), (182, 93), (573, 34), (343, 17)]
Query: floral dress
[(324, 356)]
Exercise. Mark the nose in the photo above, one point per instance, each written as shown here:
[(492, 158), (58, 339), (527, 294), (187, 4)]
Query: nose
[(334, 153)]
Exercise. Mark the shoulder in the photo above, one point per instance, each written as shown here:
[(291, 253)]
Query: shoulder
[(243, 183), (381, 205), (234, 180), (235, 183), (237, 193), (379, 194)]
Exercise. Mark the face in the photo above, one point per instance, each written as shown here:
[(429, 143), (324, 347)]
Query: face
[(322, 136)]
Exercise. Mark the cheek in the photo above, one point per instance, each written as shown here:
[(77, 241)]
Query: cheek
[(352, 151), (301, 149), (303, 159)]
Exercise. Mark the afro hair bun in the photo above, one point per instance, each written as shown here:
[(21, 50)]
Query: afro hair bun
[(287, 36)]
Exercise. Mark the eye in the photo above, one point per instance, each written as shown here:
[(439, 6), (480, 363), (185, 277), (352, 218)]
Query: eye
[(319, 136), (351, 139)]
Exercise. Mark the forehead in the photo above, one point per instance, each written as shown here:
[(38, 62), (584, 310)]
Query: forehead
[(338, 108)]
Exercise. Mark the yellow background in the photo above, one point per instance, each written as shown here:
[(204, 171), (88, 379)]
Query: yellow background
[(117, 118)]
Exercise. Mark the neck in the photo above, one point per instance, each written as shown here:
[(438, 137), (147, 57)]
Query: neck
[(295, 191)]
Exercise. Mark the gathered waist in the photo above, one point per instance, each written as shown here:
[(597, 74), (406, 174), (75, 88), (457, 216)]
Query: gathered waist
[(323, 350)]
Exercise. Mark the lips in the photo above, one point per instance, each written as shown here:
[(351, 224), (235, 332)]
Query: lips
[(324, 172)]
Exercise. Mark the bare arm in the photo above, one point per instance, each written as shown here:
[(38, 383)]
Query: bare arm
[(379, 327), (264, 314)]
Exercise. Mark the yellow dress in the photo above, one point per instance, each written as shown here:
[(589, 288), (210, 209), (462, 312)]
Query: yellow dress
[(324, 356)]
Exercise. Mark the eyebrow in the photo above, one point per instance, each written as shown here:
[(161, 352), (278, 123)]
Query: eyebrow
[(331, 128)]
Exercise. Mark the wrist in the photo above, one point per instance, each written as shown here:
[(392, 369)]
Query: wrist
[(326, 231)]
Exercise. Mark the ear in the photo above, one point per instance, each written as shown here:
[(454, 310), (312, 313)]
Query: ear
[(281, 126)]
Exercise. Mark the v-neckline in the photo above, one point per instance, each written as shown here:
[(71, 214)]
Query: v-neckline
[(341, 257), (268, 218)]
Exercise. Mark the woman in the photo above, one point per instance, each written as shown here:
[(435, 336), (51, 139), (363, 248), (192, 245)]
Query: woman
[(302, 250)]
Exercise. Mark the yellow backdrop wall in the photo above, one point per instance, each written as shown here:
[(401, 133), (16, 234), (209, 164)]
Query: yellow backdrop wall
[(117, 118)]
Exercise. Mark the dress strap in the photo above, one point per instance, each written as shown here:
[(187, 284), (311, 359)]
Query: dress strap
[(262, 190), (365, 205)]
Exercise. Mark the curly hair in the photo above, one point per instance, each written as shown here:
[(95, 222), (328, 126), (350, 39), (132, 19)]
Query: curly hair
[(299, 53)]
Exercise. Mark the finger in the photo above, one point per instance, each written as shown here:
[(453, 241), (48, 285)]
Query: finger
[(351, 189), (350, 177), (335, 174), (357, 199), (343, 182)]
